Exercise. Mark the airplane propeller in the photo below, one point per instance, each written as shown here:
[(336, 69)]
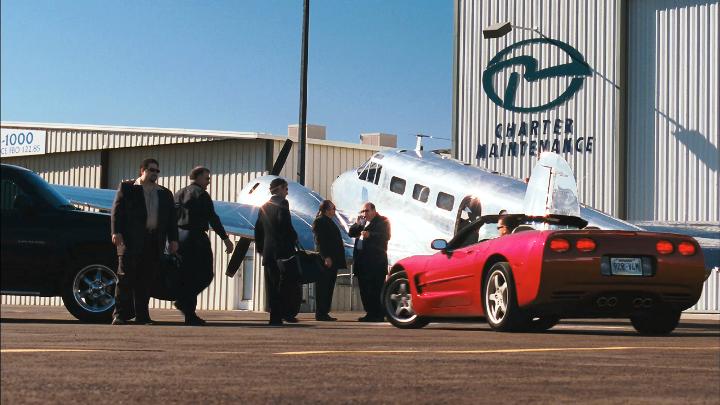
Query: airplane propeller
[(242, 245)]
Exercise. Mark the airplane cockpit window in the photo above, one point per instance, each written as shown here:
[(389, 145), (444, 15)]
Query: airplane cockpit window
[(397, 185), (373, 175), (421, 193), (445, 201), (371, 172), (362, 170)]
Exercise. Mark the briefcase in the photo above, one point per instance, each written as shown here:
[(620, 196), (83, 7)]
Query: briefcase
[(166, 283), (303, 266)]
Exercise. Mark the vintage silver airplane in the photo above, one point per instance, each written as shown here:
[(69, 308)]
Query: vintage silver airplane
[(425, 196)]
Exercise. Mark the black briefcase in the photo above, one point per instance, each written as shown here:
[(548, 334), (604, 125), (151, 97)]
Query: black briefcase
[(303, 266), (166, 285)]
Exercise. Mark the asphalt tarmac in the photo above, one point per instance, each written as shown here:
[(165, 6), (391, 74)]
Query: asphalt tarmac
[(48, 357)]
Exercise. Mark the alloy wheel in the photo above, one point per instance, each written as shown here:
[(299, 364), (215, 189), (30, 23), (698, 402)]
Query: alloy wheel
[(93, 288)]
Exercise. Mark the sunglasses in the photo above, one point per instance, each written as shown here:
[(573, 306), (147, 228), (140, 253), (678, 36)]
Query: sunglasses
[(364, 211), (150, 169), (501, 226)]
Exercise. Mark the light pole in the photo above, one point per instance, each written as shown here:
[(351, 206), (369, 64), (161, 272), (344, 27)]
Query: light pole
[(302, 133)]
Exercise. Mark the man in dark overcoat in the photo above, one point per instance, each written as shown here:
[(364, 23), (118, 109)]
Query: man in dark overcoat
[(370, 261), (329, 243), (196, 213), (275, 238), (143, 220)]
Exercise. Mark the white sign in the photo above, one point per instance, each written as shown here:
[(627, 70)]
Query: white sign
[(21, 142)]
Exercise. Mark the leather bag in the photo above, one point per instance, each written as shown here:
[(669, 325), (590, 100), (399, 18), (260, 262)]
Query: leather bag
[(303, 266)]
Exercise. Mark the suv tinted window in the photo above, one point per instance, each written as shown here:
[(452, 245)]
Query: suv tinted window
[(8, 191)]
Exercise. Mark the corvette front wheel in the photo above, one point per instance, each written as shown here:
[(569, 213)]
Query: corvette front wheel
[(499, 300), (397, 301)]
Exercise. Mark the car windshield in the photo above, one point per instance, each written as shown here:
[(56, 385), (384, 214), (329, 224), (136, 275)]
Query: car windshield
[(485, 227), (489, 231), (48, 193)]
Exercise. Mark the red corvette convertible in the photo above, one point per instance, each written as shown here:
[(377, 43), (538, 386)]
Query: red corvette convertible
[(548, 268)]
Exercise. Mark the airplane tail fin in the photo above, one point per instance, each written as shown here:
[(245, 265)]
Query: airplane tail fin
[(552, 189)]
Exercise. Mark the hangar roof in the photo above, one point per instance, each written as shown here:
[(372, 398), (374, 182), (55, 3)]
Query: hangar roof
[(80, 137)]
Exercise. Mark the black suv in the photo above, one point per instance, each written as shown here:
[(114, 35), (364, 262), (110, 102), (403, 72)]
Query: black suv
[(51, 248)]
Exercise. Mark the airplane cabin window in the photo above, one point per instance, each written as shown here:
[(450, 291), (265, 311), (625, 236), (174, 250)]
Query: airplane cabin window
[(397, 185), (445, 201), (421, 192)]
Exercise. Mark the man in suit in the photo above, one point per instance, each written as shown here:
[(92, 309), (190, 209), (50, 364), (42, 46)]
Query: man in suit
[(195, 212), (275, 238), (142, 220), (372, 233)]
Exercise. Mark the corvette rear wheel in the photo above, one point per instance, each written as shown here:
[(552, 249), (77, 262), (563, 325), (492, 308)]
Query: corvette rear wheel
[(397, 301), (499, 300), (656, 322)]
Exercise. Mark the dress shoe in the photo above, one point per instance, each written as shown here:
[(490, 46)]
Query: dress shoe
[(118, 321), (194, 320), (144, 321), (291, 319), (325, 318), (275, 323)]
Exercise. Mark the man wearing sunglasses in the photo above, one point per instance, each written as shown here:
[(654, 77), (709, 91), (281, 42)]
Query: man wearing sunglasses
[(506, 225), (142, 221), (370, 261)]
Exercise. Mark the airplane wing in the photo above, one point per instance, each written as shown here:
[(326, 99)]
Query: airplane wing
[(237, 218)]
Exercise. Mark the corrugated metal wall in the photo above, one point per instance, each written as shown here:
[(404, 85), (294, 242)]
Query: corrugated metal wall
[(709, 301), (592, 28), (674, 112), (75, 169)]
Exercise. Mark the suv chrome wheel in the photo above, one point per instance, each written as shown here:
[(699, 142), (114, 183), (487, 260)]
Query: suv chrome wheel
[(93, 288)]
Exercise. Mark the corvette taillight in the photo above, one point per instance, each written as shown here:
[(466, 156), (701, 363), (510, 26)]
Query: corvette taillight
[(686, 248), (585, 245), (559, 245), (664, 247)]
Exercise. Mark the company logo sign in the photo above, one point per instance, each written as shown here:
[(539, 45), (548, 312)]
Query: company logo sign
[(532, 135), (577, 70), (21, 142)]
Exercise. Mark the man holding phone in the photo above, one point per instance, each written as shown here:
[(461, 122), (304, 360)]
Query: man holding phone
[(372, 233)]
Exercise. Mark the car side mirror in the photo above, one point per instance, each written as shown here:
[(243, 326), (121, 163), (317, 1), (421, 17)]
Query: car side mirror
[(24, 204), (439, 244)]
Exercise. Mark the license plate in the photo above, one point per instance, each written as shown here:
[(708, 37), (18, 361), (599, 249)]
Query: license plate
[(622, 266)]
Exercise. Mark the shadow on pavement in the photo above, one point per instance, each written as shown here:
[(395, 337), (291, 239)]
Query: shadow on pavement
[(214, 323)]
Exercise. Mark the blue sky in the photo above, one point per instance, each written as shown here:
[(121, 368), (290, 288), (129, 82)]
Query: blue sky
[(374, 66)]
